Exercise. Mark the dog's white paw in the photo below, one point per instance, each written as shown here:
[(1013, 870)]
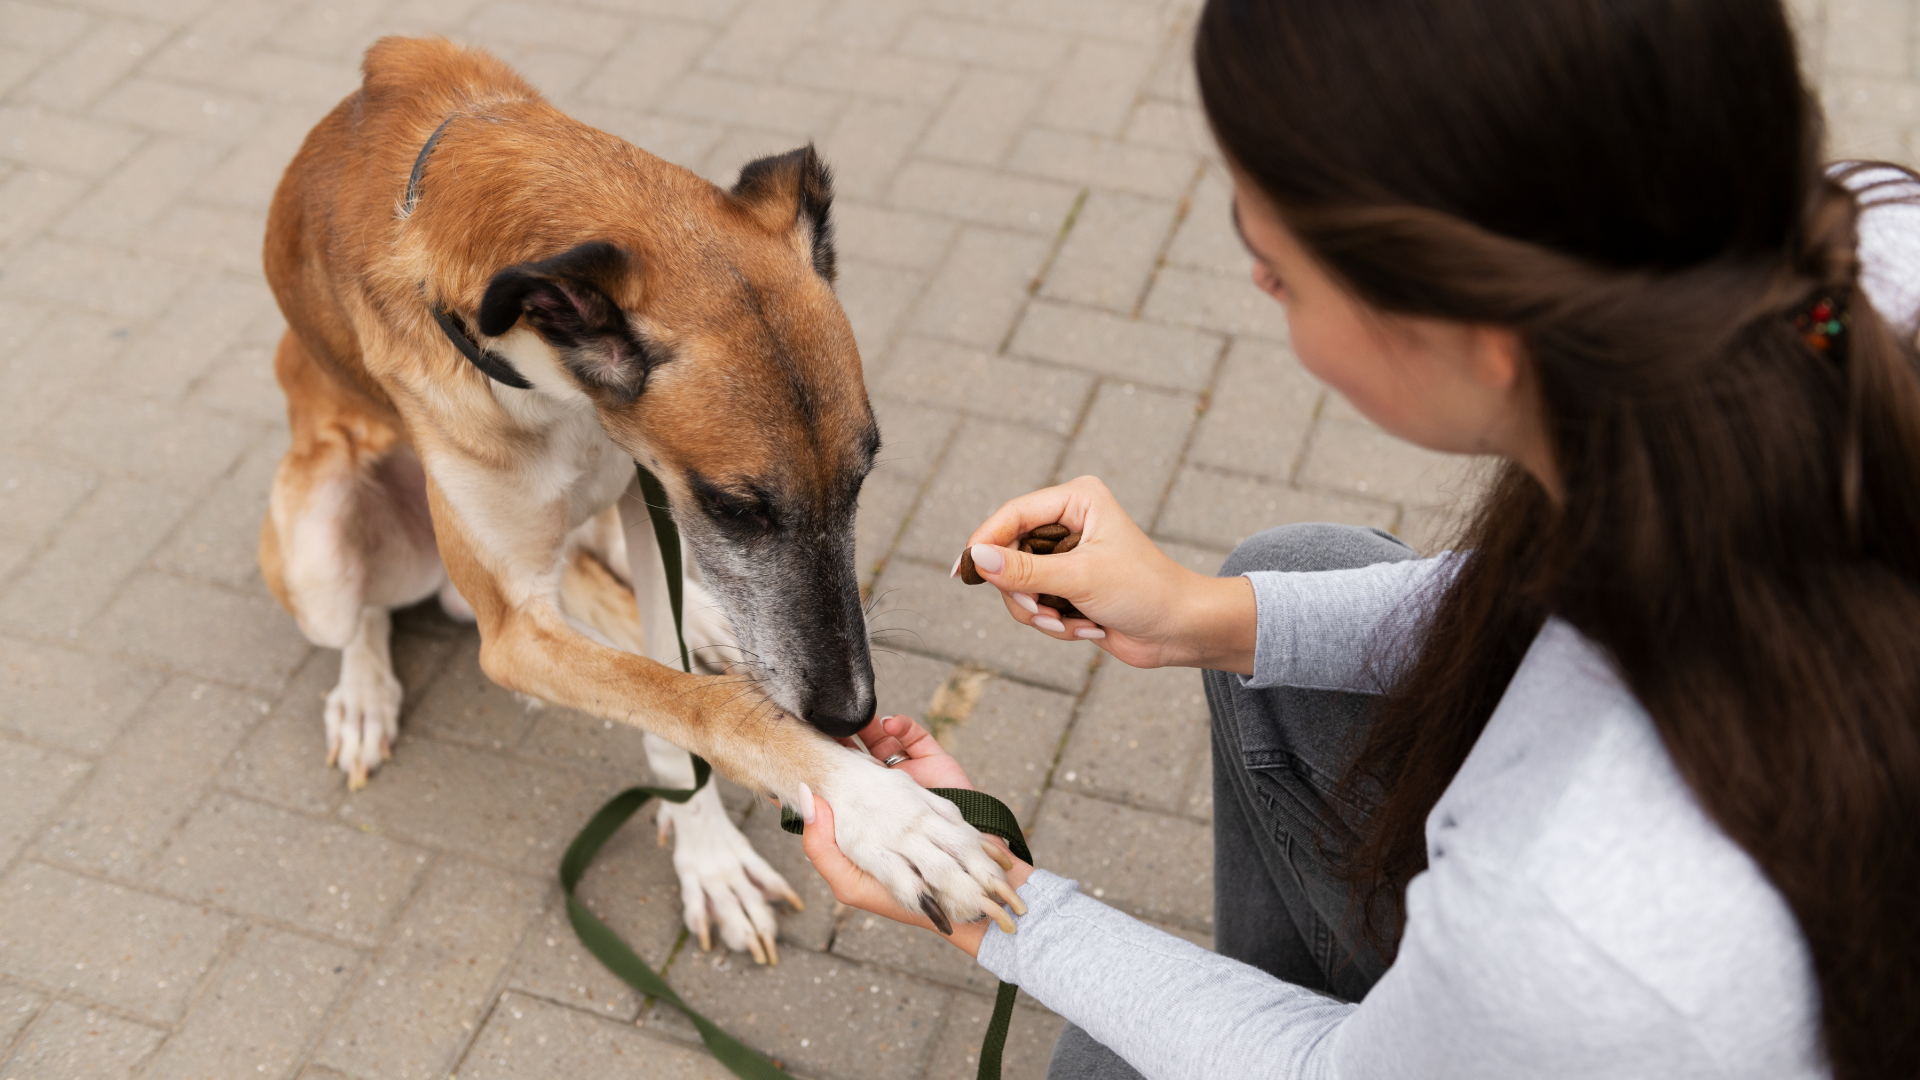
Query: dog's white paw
[(724, 883), (363, 718), (917, 845)]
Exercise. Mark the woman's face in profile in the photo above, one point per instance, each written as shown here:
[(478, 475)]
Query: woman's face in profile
[(1452, 387)]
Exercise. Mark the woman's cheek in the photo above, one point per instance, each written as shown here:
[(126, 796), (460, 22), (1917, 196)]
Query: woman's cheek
[(1343, 366)]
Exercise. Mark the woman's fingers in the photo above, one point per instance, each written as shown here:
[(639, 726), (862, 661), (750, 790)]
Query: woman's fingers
[(817, 840), (1068, 503), (1047, 620), (1020, 516), (880, 742), (914, 738), (1014, 571), (891, 735)]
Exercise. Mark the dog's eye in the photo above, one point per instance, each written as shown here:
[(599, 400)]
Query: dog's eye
[(741, 511)]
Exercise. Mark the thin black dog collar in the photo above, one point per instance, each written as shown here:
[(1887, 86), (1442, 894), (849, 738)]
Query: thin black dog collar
[(492, 364), (497, 367)]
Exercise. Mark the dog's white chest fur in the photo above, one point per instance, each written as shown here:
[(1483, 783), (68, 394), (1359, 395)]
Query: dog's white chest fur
[(565, 471)]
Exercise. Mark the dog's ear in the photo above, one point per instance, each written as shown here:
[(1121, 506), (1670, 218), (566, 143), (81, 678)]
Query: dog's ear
[(568, 300), (794, 188)]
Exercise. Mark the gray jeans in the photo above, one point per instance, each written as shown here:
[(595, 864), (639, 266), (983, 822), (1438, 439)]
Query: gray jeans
[(1277, 756)]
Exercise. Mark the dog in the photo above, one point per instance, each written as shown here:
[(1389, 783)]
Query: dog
[(493, 311)]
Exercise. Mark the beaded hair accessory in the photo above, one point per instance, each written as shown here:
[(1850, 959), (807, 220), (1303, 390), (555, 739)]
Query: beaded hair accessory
[(1821, 323)]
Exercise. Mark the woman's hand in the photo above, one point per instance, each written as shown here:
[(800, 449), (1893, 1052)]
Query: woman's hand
[(930, 764), (1141, 606), (927, 761)]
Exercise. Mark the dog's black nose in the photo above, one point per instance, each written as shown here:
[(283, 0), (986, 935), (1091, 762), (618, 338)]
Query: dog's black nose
[(841, 714)]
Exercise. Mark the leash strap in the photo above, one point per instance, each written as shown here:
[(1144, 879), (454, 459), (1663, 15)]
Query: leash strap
[(599, 939), (667, 535), (981, 810), (988, 815), (619, 958)]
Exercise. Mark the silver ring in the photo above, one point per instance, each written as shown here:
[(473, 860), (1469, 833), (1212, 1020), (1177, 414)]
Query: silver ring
[(894, 760)]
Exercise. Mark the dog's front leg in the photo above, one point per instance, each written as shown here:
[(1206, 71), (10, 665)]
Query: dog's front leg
[(724, 883), (915, 843)]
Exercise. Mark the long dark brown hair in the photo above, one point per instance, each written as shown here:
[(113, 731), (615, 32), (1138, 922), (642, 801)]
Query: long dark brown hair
[(1636, 188)]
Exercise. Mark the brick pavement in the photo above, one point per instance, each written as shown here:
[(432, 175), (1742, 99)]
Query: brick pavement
[(1037, 264)]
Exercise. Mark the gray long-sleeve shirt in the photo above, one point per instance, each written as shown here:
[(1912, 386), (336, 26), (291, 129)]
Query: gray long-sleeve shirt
[(1580, 915)]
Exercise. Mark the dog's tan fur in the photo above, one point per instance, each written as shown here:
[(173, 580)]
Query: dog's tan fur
[(391, 425)]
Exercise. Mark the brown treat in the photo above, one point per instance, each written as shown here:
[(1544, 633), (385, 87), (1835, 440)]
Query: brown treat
[(967, 573), (1055, 531), (1060, 604), (1072, 541), (1039, 546), (1026, 546)]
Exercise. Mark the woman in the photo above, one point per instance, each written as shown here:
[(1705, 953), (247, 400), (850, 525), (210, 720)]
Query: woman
[(1629, 786)]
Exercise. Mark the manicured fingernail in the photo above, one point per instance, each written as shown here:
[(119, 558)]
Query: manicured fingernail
[(1090, 633), (988, 559), (806, 804), (1046, 623), (1027, 601), (955, 572)]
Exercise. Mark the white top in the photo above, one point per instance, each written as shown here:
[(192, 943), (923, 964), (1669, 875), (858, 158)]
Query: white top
[(1580, 915)]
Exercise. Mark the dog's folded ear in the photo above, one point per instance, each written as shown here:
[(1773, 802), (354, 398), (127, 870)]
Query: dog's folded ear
[(568, 301), (793, 189)]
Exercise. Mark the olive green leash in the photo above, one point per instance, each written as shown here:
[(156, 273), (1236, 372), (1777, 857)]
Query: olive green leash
[(982, 811)]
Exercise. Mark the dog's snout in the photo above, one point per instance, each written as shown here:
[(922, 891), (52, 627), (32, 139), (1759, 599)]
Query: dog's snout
[(841, 714)]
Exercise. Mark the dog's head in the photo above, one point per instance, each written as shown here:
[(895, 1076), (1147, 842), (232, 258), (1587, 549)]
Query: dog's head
[(709, 340)]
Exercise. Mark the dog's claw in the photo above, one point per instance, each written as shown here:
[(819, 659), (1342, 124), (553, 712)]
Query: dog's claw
[(793, 898), (999, 855), (706, 937), (1008, 897), (386, 749), (759, 951), (357, 779), (333, 753), (773, 951), (931, 908), (999, 915)]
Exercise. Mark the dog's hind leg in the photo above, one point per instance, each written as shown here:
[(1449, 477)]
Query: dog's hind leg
[(725, 885), (348, 537)]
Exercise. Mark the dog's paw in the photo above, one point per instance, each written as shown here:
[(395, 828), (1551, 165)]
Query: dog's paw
[(724, 883), (917, 845), (363, 718)]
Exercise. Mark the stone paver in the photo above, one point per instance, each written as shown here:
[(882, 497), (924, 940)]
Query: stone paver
[(71, 1040), (1038, 266)]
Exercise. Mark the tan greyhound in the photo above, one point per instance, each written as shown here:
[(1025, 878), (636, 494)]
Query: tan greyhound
[(493, 311)]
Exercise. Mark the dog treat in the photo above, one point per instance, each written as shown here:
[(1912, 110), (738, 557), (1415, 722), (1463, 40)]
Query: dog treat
[(1060, 604), (1051, 539)]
